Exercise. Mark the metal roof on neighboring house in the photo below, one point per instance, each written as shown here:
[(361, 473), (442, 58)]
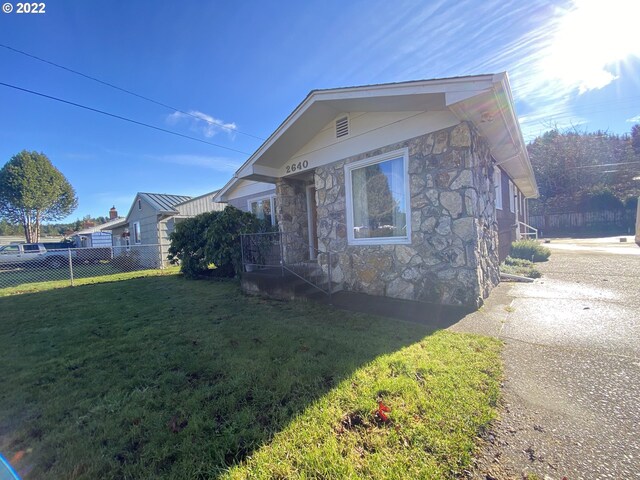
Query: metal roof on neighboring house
[(164, 202)]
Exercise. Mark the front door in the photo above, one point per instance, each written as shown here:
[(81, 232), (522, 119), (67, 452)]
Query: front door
[(312, 221)]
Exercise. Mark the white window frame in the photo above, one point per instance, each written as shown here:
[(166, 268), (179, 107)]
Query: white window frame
[(137, 233), (512, 197), (404, 240), (272, 202), (497, 180)]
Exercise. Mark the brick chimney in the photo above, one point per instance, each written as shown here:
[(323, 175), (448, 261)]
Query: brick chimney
[(113, 213)]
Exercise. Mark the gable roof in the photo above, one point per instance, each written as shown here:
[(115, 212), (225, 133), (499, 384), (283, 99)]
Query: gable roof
[(484, 100), (103, 226), (163, 203)]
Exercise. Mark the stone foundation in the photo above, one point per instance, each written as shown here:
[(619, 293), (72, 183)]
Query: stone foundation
[(453, 255)]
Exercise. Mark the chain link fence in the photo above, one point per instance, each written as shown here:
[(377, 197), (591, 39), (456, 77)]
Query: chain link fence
[(22, 264)]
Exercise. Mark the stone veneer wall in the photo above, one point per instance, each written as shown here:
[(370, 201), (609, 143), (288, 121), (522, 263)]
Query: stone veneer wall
[(453, 255), (291, 212)]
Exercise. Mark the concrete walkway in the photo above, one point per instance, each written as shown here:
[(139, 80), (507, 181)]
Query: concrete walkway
[(571, 405)]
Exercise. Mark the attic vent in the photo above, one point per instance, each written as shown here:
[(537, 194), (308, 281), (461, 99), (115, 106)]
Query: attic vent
[(342, 127)]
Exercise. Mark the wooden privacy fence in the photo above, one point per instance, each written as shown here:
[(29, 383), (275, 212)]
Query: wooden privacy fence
[(614, 221)]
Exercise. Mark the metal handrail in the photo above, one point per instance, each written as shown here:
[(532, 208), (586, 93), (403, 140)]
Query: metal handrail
[(293, 255), (534, 231)]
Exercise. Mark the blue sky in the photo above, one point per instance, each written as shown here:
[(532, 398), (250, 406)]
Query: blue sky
[(246, 65)]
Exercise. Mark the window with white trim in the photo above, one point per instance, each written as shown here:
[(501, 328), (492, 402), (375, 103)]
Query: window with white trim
[(264, 208), (136, 233), (378, 200), (497, 182), (512, 197)]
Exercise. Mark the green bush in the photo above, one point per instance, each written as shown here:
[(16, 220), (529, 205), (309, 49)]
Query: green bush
[(223, 238), (518, 262), (209, 244), (520, 266), (188, 244), (529, 250), (599, 198)]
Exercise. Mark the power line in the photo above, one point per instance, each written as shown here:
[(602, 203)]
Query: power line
[(129, 92), (121, 118), (558, 115), (604, 165)]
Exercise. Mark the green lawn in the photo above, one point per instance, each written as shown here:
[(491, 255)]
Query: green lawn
[(160, 377), (23, 279), (14, 282)]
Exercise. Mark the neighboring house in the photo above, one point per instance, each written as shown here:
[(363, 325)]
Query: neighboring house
[(99, 235), (153, 216), (414, 187)]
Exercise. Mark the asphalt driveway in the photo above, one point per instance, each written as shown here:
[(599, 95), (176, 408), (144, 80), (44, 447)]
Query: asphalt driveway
[(572, 364)]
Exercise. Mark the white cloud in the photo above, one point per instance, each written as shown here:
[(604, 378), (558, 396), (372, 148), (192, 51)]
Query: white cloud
[(203, 123), (635, 119)]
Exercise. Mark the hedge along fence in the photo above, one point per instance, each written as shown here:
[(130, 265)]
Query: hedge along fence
[(613, 221)]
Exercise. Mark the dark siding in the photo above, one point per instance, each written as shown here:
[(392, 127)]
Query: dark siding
[(506, 221)]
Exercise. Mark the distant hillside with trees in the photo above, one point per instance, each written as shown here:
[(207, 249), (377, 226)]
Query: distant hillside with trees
[(53, 229), (581, 171)]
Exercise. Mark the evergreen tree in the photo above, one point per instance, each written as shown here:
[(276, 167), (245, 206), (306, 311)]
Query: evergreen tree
[(33, 191)]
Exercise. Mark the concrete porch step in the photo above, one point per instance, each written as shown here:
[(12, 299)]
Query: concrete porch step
[(274, 283)]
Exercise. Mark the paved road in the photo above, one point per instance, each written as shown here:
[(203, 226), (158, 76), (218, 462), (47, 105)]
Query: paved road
[(572, 366)]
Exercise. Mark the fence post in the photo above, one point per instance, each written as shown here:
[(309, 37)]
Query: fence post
[(70, 266)]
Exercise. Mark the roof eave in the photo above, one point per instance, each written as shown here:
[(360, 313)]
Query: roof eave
[(500, 110)]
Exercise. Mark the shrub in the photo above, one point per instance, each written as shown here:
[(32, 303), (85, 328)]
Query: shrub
[(518, 262), (519, 266), (223, 238), (209, 244), (599, 198), (188, 244), (529, 250)]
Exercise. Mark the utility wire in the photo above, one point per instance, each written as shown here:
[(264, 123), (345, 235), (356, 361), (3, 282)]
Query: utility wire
[(121, 118), (559, 115), (129, 92), (604, 165)]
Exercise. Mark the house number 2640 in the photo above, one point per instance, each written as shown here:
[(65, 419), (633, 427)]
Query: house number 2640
[(294, 167)]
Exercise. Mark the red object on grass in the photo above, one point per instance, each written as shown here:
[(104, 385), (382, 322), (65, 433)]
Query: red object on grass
[(382, 408)]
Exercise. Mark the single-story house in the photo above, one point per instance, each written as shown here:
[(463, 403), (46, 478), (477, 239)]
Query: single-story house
[(413, 189), (151, 219), (98, 235)]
